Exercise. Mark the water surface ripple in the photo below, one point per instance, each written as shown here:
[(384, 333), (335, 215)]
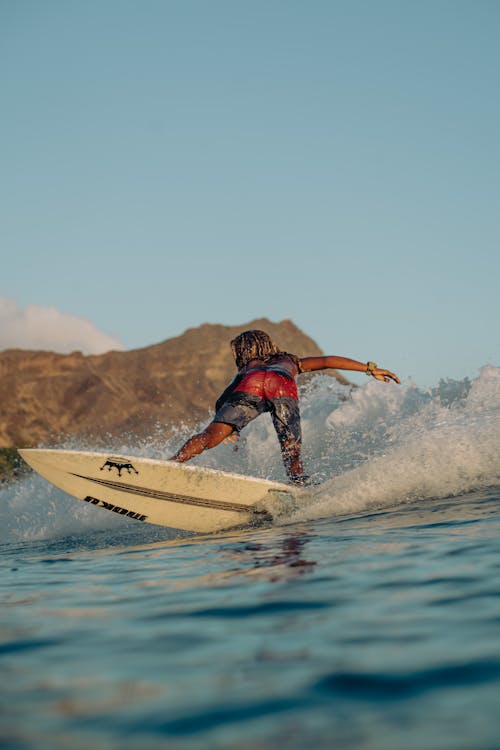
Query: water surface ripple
[(374, 632)]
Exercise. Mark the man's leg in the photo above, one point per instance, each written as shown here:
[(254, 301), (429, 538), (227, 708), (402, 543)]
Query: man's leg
[(286, 419), (291, 453), (211, 436)]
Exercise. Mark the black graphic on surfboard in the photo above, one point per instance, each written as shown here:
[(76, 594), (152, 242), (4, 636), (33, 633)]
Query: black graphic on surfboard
[(120, 464)]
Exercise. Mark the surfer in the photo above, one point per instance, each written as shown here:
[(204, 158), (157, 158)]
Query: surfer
[(265, 382)]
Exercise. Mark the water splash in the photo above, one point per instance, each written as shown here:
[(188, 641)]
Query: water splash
[(391, 446)]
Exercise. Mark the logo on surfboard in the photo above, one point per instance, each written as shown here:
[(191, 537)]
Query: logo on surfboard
[(120, 464), (115, 508)]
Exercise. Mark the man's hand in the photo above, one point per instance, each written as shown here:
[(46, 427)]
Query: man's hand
[(385, 375)]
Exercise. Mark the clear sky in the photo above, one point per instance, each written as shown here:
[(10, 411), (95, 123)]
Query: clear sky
[(166, 163)]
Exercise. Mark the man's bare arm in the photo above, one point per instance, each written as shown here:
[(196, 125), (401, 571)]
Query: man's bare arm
[(308, 364)]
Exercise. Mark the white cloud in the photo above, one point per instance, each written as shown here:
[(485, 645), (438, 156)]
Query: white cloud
[(37, 327)]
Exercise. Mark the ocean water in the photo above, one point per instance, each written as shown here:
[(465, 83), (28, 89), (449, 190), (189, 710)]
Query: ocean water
[(367, 618)]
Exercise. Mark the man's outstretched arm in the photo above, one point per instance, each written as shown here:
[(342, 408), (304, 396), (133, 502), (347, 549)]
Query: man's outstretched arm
[(344, 363)]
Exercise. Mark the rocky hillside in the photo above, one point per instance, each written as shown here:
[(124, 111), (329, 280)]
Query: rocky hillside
[(46, 397)]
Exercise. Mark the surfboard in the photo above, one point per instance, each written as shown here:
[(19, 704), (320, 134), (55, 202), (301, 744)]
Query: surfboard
[(165, 493)]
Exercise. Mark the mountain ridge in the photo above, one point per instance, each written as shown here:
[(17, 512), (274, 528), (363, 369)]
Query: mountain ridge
[(47, 397)]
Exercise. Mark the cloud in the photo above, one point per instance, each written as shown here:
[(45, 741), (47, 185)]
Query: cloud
[(37, 327)]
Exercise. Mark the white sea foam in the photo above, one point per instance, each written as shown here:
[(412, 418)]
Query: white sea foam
[(373, 447), (410, 445)]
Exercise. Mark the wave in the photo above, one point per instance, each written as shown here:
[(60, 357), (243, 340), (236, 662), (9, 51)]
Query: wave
[(371, 447), (396, 445)]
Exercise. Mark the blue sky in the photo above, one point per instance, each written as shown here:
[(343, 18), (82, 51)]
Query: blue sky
[(166, 164)]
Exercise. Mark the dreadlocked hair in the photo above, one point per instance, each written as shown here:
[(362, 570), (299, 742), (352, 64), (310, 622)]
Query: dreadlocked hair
[(253, 345)]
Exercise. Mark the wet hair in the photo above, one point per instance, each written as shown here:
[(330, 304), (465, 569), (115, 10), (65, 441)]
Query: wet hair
[(253, 345)]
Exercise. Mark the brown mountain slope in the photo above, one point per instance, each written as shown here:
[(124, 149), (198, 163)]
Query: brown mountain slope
[(45, 397)]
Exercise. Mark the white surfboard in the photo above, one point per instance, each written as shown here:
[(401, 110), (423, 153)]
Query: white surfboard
[(162, 492)]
